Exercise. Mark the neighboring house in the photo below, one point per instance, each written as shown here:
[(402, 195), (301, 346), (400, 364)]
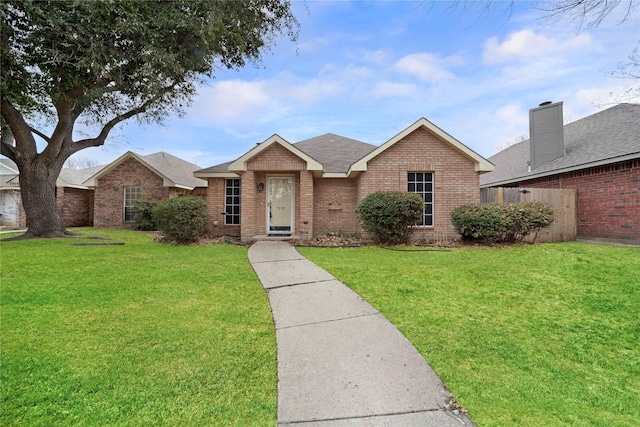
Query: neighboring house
[(75, 199), (312, 187), (105, 196), (9, 194), (120, 184), (599, 156)]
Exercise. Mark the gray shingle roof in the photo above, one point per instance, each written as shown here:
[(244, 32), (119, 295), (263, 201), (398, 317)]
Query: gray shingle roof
[(221, 168), (177, 170), (75, 177), (336, 153), (605, 137)]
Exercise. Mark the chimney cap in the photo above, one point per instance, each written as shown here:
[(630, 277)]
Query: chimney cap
[(545, 103)]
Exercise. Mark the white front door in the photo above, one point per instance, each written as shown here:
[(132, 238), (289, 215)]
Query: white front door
[(280, 205)]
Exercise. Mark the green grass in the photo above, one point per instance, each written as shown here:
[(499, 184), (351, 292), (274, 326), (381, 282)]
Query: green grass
[(140, 334), (544, 335)]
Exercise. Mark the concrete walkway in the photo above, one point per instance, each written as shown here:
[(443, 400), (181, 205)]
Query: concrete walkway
[(340, 362)]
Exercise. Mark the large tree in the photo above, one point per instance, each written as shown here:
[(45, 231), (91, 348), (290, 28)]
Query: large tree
[(100, 63)]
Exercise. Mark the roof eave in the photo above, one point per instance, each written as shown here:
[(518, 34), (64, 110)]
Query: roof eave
[(240, 165), (205, 175), (604, 162), (481, 164)]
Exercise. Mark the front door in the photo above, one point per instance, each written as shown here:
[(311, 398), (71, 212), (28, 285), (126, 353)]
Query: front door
[(280, 205)]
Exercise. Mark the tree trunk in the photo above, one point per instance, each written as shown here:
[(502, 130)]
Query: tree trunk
[(38, 189)]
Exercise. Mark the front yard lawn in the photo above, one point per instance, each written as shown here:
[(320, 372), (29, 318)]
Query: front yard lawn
[(534, 335), (140, 334)]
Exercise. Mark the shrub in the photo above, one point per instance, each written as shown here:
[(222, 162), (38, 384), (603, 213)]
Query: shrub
[(388, 215), (182, 219), (143, 220), (509, 222)]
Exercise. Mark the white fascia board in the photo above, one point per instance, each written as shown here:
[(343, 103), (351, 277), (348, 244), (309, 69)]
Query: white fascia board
[(562, 170), (182, 187), (241, 163), (335, 175), (91, 181), (481, 164), (205, 175)]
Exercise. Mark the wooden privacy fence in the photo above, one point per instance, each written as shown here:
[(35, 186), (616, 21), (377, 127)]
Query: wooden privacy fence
[(563, 201)]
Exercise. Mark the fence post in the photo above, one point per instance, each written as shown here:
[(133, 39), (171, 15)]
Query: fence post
[(500, 195)]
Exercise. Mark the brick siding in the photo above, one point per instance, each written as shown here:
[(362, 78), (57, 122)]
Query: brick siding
[(608, 200), (76, 206), (335, 204), (455, 180), (328, 204), (109, 192)]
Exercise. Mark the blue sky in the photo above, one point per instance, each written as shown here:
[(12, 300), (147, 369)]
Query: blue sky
[(368, 69)]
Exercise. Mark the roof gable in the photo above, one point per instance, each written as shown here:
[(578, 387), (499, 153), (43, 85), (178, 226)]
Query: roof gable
[(240, 164), (174, 171), (481, 164)]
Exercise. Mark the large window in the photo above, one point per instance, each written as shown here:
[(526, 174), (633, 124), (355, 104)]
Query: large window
[(131, 196), (422, 183), (232, 202)]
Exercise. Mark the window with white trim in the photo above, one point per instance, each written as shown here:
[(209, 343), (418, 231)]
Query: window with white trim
[(422, 183), (131, 197), (232, 202)]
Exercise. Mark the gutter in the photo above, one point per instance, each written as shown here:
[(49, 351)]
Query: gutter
[(604, 162)]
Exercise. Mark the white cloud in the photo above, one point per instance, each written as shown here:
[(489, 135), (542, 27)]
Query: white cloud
[(387, 89), (428, 68), (380, 56), (513, 115), (526, 44), (230, 100)]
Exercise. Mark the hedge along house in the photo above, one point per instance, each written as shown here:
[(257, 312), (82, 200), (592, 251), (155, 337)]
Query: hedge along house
[(312, 187), (599, 156)]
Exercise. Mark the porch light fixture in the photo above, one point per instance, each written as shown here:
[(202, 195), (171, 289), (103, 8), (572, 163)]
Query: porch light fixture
[(260, 186)]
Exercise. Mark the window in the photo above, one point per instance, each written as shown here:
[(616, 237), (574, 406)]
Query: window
[(131, 196), (232, 202), (422, 183)]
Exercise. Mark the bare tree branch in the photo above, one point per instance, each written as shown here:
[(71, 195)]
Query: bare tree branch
[(590, 14)]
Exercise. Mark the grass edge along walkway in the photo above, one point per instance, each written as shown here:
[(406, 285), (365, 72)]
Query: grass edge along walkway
[(528, 335), (138, 334)]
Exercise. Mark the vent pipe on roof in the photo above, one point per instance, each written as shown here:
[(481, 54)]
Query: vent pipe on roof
[(546, 133)]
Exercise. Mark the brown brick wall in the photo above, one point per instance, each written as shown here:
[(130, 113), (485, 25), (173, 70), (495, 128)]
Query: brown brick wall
[(335, 204), (276, 158), (455, 180), (109, 192), (323, 205), (608, 200), (76, 206), (215, 197)]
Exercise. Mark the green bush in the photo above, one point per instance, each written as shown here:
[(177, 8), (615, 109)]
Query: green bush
[(508, 222), (143, 220), (181, 219), (388, 215)]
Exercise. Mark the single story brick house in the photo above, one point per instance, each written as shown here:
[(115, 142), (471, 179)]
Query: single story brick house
[(120, 184), (104, 196), (312, 187), (599, 156)]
